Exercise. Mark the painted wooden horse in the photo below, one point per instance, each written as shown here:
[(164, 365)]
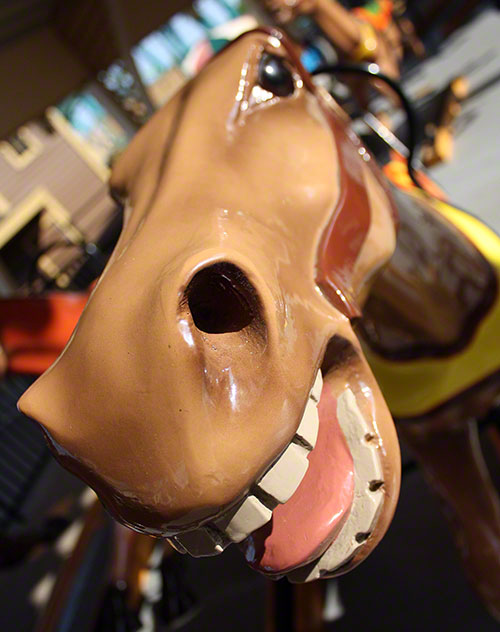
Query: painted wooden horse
[(214, 390), (185, 399), (164, 437)]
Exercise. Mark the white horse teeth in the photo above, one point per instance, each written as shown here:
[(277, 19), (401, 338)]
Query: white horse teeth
[(282, 480), (307, 432), (317, 387), (249, 517), (278, 485), (368, 492)]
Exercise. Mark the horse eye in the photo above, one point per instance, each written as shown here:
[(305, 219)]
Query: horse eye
[(274, 76)]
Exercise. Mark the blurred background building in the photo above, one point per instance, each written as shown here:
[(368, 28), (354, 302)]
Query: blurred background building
[(81, 78)]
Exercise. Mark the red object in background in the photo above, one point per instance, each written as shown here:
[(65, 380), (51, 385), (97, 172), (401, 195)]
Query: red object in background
[(34, 331)]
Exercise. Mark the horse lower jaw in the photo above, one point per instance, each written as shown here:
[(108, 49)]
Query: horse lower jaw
[(347, 542), (332, 514)]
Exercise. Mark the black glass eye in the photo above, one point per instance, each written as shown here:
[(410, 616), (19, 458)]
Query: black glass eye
[(274, 76)]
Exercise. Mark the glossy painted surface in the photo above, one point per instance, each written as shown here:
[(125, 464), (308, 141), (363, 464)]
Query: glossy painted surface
[(172, 399), (303, 528)]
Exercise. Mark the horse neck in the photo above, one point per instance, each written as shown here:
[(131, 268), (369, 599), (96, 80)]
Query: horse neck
[(434, 292)]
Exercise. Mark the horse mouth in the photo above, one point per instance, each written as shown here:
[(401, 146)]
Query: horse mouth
[(316, 505)]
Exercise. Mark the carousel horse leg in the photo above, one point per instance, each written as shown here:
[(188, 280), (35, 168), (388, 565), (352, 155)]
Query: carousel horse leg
[(309, 601), (451, 458)]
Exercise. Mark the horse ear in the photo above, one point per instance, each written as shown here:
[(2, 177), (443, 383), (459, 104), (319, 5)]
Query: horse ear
[(140, 165)]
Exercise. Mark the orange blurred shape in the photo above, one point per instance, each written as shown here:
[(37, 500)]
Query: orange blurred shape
[(397, 172), (34, 331)]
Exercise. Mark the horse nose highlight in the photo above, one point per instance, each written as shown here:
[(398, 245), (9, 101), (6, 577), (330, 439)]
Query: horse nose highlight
[(221, 299)]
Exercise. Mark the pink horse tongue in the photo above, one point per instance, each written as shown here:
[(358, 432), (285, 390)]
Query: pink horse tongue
[(303, 528)]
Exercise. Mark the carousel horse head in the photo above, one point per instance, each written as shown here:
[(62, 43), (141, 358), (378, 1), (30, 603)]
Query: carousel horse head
[(213, 390)]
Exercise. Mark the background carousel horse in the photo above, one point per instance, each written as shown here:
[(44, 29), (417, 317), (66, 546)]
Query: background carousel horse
[(211, 392)]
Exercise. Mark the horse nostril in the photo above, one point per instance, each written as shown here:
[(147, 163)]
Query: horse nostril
[(221, 299)]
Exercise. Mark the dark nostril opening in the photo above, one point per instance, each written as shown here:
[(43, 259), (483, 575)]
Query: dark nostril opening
[(339, 352), (221, 299)]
